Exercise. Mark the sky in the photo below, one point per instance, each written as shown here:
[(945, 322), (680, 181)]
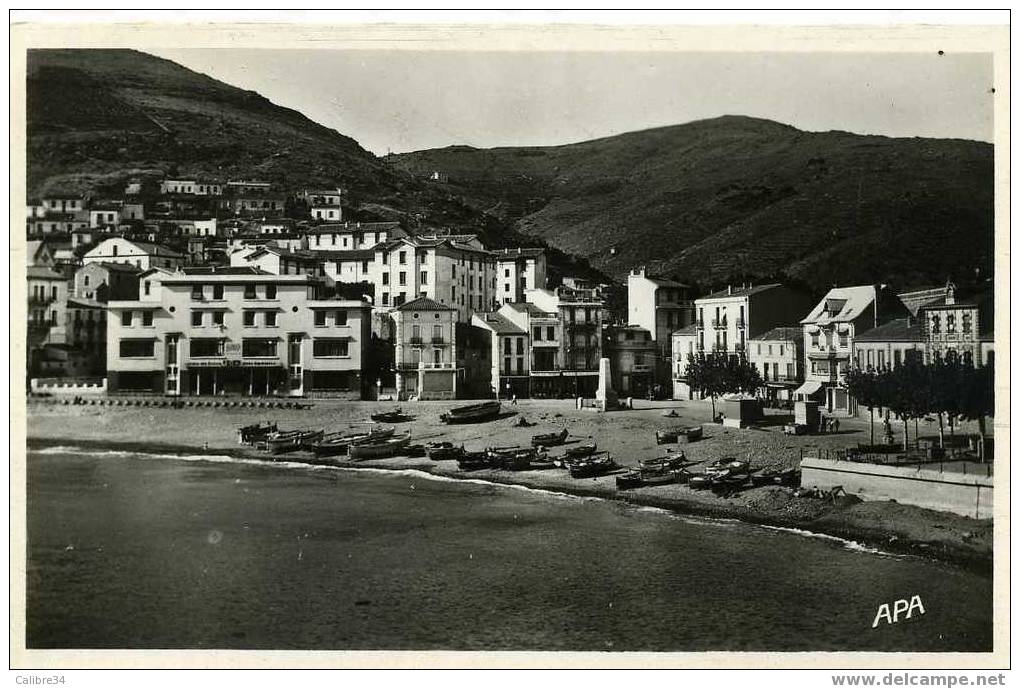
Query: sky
[(398, 101)]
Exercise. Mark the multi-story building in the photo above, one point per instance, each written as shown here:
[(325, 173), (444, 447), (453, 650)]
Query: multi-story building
[(351, 236), (660, 306), (106, 215), (509, 354), (86, 332), (347, 266), (579, 311), (178, 186), (253, 203), (633, 358), (237, 331), (55, 224), (102, 282), (829, 332), (963, 326), (47, 305), (272, 259), (456, 272), (518, 270), (322, 197), (425, 356), (543, 329), (327, 213), (143, 255), (779, 357), (684, 348), (727, 319), (890, 344), (247, 187), (64, 203), (35, 209)]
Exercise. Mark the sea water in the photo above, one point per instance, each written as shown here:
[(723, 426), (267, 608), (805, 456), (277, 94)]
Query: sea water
[(132, 550)]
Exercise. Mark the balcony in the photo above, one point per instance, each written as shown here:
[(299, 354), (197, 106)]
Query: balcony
[(41, 301), (415, 341), (741, 323), (440, 366), (700, 324), (719, 323), (438, 340), (738, 347), (718, 346)]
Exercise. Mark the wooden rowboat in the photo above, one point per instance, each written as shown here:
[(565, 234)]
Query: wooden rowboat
[(472, 413), (377, 449), (549, 439)]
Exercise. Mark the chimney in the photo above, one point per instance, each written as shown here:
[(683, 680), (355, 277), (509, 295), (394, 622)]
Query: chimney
[(729, 289)]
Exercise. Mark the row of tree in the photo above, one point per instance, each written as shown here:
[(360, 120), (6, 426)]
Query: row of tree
[(947, 388)]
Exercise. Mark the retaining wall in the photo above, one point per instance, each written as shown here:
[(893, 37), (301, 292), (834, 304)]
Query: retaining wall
[(966, 494)]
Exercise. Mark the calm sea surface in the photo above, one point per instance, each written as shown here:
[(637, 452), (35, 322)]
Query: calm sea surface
[(148, 551)]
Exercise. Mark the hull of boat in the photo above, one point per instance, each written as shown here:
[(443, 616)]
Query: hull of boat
[(472, 414), (373, 450)]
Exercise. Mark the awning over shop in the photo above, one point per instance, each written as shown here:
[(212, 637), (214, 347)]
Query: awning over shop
[(808, 388)]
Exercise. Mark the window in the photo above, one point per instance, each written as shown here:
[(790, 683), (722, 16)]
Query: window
[(258, 347), (364, 264), (814, 340), (524, 283), (537, 334), (125, 319), (137, 349), (249, 291), (936, 324), (217, 292), (87, 282), (881, 358), (197, 293), (196, 319), (249, 319), (780, 350), (386, 298), (329, 348), (114, 249), (550, 332), (437, 333), (146, 286), (402, 278), (320, 319), (506, 287), (897, 357), (967, 325), (950, 323), (424, 278), (270, 291), (205, 347), (402, 257), (506, 273), (386, 278), (270, 319), (217, 318), (147, 318), (437, 356), (844, 340), (339, 318)]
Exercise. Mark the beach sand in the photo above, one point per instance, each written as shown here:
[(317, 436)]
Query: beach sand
[(629, 435)]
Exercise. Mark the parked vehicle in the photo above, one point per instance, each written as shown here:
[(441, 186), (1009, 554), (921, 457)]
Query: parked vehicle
[(472, 413)]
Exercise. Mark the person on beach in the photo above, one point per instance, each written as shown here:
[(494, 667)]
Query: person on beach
[(513, 400), (835, 425)]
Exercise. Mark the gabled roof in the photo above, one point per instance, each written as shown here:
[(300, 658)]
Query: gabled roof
[(424, 304), (784, 334), (223, 270), (116, 267), (519, 252), (896, 330), (355, 227), (852, 302), (691, 329), (497, 323)]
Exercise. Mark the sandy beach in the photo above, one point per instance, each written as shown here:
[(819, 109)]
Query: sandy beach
[(629, 435)]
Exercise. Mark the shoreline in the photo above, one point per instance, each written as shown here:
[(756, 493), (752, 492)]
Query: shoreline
[(833, 523)]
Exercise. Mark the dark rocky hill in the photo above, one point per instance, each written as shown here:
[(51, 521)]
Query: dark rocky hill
[(733, 197)]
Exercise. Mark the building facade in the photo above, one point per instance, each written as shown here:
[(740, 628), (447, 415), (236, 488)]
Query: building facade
[(517, 271), (509, 354), (579, 311), (829, 332), (728, 319), (237, 332), (425, 357), (779, 357), (142, 255), (633, 358), (660, 306)]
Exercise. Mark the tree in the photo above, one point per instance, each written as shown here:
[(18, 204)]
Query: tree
[(907, 392), (717, 374), (862, 384), (977, 392)]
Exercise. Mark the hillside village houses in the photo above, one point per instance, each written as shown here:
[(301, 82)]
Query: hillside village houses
[(194, 286)]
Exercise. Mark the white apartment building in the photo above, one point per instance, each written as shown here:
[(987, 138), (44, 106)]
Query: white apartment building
[(829, 331), (517, 271), (727, 319), (237, 331), (425, 355), (661, 306), (142, 255), (351, 236), (458, 273)]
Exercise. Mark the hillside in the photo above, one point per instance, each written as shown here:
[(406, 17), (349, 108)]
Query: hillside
[(733, 197), (97, 118)]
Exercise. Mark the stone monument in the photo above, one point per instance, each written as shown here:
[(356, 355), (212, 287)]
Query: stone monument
[(605, 396)]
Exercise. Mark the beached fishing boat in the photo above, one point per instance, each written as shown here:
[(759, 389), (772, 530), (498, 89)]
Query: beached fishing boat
[(583, 450), (291, 441), (248, 435), (729, 465), (595, 465), (395, 416), (438, 451), (730, 481), (670, 461), (338, 443), (472, 413), (636, 478), (679, 434), (549, 439), (378, 449), (511, 458), (699, 481), (473, 461), (784, 477)]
